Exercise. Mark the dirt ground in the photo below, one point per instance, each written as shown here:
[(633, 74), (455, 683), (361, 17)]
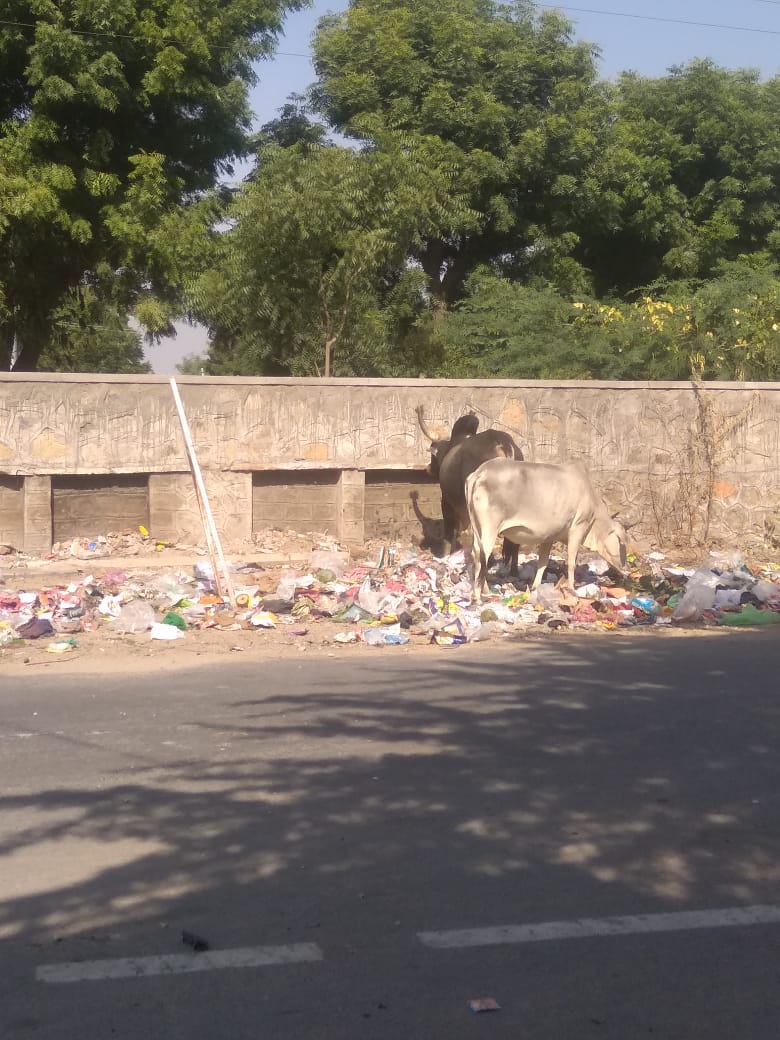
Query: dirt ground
[(103, 652)]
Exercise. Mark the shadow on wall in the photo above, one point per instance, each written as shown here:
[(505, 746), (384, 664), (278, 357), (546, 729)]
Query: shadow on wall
[(526, 777)]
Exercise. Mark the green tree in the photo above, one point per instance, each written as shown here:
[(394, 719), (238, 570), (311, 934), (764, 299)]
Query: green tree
[(112, 116), (90, 334), (512, 106), (688, 177), (313, 276), (194, 365), (501, 328)]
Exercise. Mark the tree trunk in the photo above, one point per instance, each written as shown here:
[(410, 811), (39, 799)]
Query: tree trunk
[(328, 350), (6, 347), (446, 267)]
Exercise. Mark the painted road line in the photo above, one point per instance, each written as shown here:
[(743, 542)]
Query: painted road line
[(590, 927), (178, 964)]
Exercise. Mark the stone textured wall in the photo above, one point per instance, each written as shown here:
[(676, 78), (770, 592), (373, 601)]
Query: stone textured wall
[(690, 463), (400, 506), (11, 510), (302, 501), (97, 504), (174, 514)]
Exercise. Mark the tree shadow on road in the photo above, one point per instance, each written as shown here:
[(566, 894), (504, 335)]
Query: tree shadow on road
[(534, 783)]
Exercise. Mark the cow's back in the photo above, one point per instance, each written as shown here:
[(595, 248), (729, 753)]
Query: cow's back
[(467, 456), (545, 498)]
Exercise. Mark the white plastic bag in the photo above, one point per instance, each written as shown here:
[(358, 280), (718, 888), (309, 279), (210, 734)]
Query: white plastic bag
[(699, 596), (136, 616), (162, 631)]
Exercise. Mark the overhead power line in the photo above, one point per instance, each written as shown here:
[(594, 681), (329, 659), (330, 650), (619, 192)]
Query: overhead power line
[(550, 7), (139, 39), (658, 18)]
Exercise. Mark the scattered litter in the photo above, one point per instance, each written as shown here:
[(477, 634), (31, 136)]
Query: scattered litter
[(62, 647), (385, 635), (161, 631), (197, 942), (35, 628), (326, 595), (136, 616), (484, 1004), (264, 619), (346, 637), (172, 618), (750, 615)]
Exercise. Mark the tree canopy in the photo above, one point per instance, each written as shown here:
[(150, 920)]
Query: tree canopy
[(512, 103), (457, 194), (112, 116), (313, 276)]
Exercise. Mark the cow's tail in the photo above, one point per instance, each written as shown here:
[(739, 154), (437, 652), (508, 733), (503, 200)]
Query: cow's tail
[(479, 550)]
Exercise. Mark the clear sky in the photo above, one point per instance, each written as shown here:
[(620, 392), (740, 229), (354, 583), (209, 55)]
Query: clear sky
[(630, 34)]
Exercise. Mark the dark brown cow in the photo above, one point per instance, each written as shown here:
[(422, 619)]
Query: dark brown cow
[(453, 460)]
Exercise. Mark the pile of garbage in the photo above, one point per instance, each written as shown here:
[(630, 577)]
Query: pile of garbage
[(115, 543), (402, 595)]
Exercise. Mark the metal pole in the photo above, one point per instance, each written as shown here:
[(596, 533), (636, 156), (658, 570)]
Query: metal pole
[(212, 536)]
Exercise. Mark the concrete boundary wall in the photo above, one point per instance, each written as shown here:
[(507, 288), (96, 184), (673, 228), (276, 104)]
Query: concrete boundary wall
[(691, 463)]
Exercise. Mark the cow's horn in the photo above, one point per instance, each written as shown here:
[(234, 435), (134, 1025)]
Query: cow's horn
[(419, 412)]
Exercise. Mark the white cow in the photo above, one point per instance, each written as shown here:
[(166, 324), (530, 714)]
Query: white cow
[(534, 505)]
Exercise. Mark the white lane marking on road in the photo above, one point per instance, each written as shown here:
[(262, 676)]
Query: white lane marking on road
[(589, 927), (178, 964)]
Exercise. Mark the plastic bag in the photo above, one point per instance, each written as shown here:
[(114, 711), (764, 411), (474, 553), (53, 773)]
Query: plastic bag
[(385, 635), (110, 606), (766, 591), (172, 588), (750, 615), (327, 560), (161, 631), (288, 583), (699, 595), (483, 632), (548, 597), (378, 602), (136, 616)]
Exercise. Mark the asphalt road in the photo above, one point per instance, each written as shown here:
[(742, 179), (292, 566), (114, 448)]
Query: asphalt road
[(364, 845)]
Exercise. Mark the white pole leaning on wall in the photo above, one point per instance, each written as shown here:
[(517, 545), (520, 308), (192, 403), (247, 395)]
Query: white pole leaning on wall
[(212, 536)]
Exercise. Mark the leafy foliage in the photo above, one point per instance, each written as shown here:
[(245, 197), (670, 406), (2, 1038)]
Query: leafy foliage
[(510, 101), (313, 275), (498, 211), (89, 334), (112, 115), (725, 327), (689, 177)]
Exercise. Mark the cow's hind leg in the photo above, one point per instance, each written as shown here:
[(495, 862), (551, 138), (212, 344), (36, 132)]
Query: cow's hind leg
[(450, 526), (541, 564), (510, 553), (576, 538), (482, 545)]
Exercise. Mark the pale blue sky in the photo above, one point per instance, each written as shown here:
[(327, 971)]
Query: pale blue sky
[(631, 34)]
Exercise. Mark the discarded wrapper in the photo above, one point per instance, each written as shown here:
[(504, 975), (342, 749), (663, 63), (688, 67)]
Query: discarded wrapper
[(61, 647), (197, 942), (484, 1004)]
